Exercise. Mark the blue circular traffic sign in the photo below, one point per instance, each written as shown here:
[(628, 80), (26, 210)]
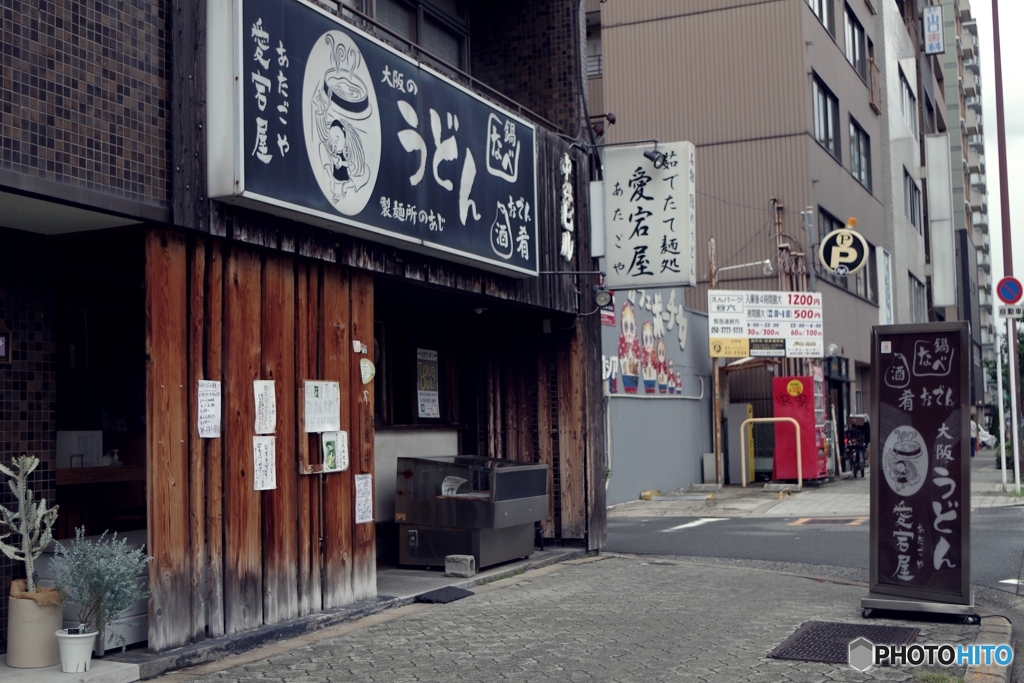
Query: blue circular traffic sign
[(1009, 290)]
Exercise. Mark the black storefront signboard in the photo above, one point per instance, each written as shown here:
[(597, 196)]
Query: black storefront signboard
[(920, 463), (329, 126)]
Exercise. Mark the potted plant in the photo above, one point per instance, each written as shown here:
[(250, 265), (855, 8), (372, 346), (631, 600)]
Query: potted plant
[(98, 580), (34, 612)]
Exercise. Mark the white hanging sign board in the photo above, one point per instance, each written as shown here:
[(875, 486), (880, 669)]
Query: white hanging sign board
[(650, 217)]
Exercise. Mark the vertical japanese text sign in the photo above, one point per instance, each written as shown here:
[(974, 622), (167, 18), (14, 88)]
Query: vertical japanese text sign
[(650, 217), (934, 41), (920, 462)]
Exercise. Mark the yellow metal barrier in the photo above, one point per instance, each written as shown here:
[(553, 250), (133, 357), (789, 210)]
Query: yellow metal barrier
[(799, 454)]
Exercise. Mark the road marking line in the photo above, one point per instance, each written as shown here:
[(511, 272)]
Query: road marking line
[(699, 522), (1013, 581), (840, 521)]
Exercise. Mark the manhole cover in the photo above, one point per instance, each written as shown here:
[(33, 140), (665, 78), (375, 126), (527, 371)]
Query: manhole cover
[(444, 595), (829, 641)]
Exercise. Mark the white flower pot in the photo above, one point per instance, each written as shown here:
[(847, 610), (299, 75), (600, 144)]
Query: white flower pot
[(29, 625), (75, 651)]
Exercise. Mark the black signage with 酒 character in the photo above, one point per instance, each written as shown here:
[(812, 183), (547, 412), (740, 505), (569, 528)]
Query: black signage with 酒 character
[(314, 120), (920, 468)]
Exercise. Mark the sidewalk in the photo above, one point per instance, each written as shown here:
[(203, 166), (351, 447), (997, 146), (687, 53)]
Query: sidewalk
[(596, 619), (846, 498)]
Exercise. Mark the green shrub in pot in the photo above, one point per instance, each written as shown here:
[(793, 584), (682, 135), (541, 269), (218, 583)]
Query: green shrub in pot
[(99, 580)]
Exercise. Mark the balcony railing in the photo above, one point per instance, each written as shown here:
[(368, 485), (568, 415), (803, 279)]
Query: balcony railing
[(595, 66)]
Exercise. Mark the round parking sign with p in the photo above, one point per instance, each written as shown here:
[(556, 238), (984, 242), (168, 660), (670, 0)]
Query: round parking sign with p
[(1009, 290), (843, 252)]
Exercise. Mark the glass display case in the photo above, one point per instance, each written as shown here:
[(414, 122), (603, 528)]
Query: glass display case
[(468, 505)]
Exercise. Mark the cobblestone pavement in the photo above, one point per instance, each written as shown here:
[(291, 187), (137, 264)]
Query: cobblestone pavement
[(613, 619)]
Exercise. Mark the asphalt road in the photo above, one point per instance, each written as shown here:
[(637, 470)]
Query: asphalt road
[(997, 542)]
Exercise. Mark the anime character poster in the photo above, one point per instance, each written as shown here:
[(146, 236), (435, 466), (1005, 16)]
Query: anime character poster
[(629, 349), (651, 337), (650, 358)]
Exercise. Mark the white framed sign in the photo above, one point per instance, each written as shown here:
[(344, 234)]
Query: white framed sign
[(650, 217), (766, 324), (934, 40)]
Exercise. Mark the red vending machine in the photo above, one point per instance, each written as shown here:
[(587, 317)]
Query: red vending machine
[(794, 397)]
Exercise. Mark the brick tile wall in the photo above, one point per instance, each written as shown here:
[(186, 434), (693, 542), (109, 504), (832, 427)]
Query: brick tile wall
[(530, 51), (28, 391), (85, 93)]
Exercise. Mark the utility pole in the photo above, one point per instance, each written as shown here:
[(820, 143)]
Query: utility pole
[(1004, 191), (716, 380)]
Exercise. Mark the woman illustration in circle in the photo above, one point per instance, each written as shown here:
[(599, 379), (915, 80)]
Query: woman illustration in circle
[(341, 100), (342, 153)]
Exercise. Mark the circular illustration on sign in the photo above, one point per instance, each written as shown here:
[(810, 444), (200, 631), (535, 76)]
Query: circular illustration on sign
[(341, 122), (905, 461), (795, 388)]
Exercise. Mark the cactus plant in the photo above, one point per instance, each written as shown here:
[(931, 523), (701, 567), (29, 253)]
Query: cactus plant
[(32, 520)]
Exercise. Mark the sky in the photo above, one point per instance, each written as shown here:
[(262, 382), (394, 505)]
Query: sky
[(1011, 19)]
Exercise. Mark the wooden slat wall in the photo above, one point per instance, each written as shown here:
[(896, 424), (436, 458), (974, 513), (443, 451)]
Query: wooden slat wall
[(230, 558), (166, 447), (571, 460), (243, 571), (545, 440), (280, 536), (197, 457), (336, 350), (364, 574), (214, 448), (307, 296)]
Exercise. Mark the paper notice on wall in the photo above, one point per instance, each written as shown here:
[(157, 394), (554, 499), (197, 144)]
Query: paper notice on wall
[(364, 498), (427, 393), (335, 451), (264, 470), (323, 406), (209, 409), (266, 406)]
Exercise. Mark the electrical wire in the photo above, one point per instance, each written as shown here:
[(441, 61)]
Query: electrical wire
[(726, 201)]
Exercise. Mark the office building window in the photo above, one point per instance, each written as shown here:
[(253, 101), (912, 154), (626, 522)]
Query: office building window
[(865, 280), (918, 301), (823, 10), (908, 103), (855, 43), (826, 117), (440, 28), (826, 224), (912, 200), (860, 154)]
